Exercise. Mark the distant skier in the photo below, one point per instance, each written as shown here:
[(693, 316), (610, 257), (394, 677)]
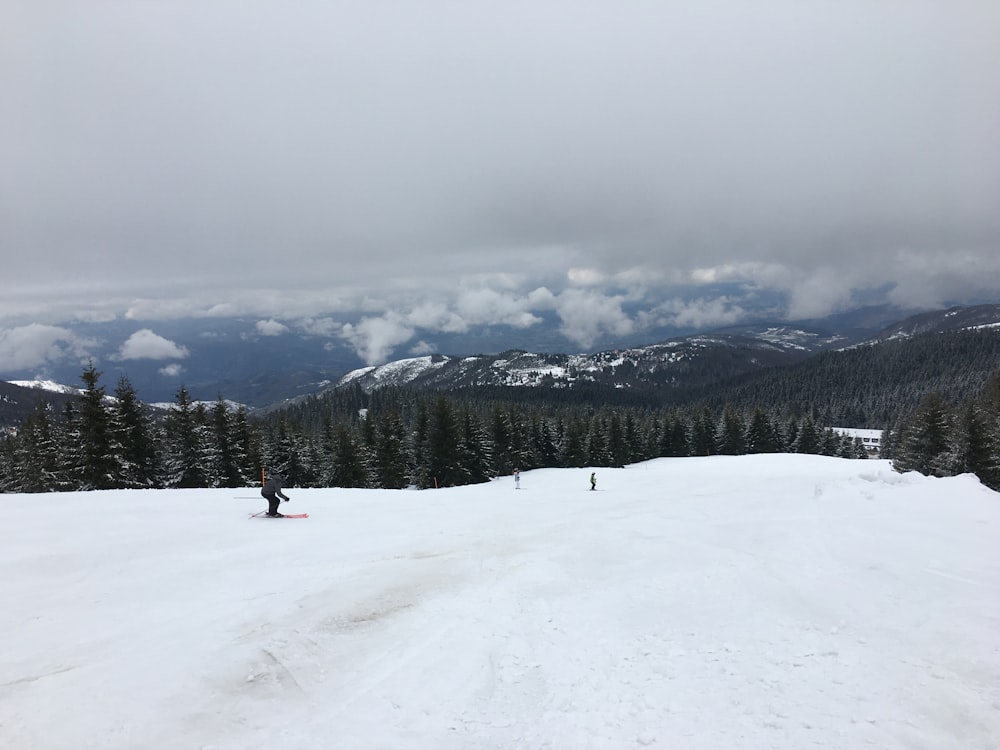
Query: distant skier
[(272, 491), (593, 480), (517, 479)]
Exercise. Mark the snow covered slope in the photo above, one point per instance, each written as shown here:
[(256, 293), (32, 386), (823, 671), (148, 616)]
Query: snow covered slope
[(939, 321), (700, 603)]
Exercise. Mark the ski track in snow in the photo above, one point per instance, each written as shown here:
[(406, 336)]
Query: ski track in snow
[(746, 602)]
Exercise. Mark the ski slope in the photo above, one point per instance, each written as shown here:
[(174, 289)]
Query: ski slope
[(697, 603)]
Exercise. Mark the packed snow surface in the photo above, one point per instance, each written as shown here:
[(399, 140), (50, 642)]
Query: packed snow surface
[(698, 603)]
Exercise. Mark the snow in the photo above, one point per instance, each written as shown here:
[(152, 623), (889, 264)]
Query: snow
[(47, 385), (697, 603)]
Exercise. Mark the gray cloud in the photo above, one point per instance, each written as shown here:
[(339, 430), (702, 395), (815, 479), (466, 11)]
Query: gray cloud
[(438, 165)]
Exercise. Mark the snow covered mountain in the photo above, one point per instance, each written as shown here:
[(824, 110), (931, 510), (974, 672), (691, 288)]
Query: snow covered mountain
[(683, 361)]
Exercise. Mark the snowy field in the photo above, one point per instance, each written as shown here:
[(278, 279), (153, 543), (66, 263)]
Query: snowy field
[(700, 603)]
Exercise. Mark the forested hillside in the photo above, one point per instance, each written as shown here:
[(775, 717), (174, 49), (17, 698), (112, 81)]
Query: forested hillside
[(935, 395), (867, 386)]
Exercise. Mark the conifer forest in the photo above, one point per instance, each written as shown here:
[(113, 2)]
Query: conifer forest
[(397, 438)]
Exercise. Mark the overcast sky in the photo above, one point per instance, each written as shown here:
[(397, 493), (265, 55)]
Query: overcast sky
[(378, 169)]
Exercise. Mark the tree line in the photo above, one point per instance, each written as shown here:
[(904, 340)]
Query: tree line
[(396, 437), (391, 438)]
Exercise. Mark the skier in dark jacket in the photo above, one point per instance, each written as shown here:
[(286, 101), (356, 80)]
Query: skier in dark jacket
[(272, 491)]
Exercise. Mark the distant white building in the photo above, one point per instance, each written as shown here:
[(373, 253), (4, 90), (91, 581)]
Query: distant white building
[(871, 439)]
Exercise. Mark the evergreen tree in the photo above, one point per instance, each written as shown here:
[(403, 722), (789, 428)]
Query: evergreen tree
[(703, 434), (38, 463), (761, 436), (574, 446), (245, 444), (987, 461), (134, 437), (7, 462), (598, 449), (635, 444), (617, 446), (807, 439), (923, 442), (229, 456), (502, 434), (418, 446), (183, 454), (730, 439), (389, 451), (442, 462), (96, 465), (887, 442), (674, 442), (969, 447), (475, 457), (829, 442), (349, 467)]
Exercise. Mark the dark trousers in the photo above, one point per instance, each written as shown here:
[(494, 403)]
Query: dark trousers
[(272, 503)]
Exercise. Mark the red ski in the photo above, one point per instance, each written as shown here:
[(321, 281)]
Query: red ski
[(262, 514)]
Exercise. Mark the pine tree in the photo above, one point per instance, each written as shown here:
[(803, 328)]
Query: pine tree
[(674, 441), (442, 462), (618, 448), (134, 439), (245, 444), (183, 455), (418, 446), (349, 468), (502, 436), (969, 447), (808, 439), (389, 459), (574, 447), (7, 462), (228, 454), (923, 442), (760, 435), (598, 448), (96, 467), (38, 462), (703, 434), (988, 404), (475, 457), (829, 442), (730, 439)]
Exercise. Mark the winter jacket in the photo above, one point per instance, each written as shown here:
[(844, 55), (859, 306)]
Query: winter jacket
[(273, 487)]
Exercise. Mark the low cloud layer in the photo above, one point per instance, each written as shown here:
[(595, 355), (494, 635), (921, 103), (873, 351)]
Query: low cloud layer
[(379, 173)]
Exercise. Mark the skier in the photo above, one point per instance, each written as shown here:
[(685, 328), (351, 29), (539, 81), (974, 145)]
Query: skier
[(272, 491), (593, 480), (517, 479)]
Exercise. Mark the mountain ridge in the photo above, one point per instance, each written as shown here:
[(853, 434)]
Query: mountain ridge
[(692, 361)]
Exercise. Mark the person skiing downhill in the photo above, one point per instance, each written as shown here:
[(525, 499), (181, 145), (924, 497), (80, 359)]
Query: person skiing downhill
[(593, 480), (272, 491)]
